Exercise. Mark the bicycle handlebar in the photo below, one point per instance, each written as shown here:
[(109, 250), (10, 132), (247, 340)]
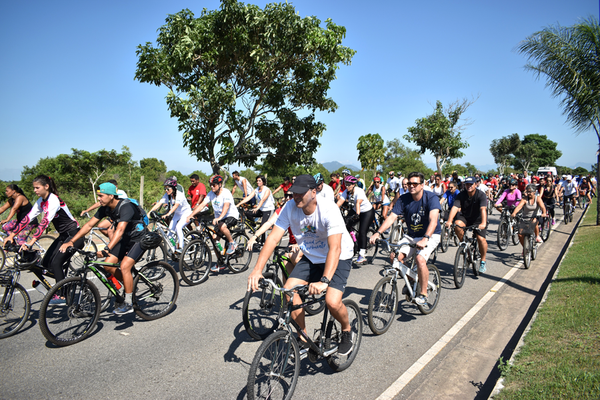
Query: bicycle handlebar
[(300, 289)]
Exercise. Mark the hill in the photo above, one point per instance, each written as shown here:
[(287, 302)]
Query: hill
[(334, 166)]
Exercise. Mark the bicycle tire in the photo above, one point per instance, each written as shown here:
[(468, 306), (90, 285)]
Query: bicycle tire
[(153, 255), (502, 235), (195, 262), (14, 312), (514, 236), (71, 323), (581, 202), (545, 229), (2, 258), (372, 248), (383, 305), (275, 368), (333, 334), (240, 259), (455, 236), (77, 260), (316, 308), (474, 258), (44, 243), (445, 239), (526, 252), (460, 267), (261, 309), (155, 290), (434, 286), (566, 214)]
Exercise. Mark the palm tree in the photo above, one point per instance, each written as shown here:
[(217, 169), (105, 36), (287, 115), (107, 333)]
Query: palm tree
[(569, 58)]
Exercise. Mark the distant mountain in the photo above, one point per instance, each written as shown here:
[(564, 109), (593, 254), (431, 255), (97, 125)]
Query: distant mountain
[(334, 166), (587, 166)]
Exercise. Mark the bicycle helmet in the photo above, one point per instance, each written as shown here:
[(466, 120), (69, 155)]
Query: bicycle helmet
[(520, 176), (27, 258), (512, 182), (377, 179), (150, 240), (346, 171), (318, 178), (170, 182), (216, 179), (350, 180)]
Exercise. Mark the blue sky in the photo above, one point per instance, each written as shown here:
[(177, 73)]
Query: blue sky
[(68, 67)]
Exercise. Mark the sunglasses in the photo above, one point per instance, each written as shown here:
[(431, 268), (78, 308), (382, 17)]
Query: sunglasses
[(413, 183)]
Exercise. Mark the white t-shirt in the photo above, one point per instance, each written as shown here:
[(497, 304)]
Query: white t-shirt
[(326, 193), (311, 231), (269, 204), (394, 184), (379, 195), (184, 206), (121, 194), (570, 188), (219, 201), (246, 182), (483, 188), (358, 194)]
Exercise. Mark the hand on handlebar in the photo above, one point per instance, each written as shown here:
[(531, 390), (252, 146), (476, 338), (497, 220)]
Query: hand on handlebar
[(317, 287), (254, 280)]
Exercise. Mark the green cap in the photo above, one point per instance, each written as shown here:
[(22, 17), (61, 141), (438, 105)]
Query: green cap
[(107, 188)]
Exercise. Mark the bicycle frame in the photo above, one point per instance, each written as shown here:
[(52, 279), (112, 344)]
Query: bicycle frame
[(401, 268)]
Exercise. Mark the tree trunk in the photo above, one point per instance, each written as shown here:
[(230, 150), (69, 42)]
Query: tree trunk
[(597, 184), (438, 165)]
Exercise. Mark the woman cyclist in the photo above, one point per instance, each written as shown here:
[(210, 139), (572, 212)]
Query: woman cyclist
[(585, 189), (265, 204), (380, 198), (179, 208), (549, 196), (438, 186), (57, 212), (512, 195), (364, 211), (531, 204), (19, 206)]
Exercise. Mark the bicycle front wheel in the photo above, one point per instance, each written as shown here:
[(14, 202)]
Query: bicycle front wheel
[(155, 290), (514, 235), (15, 307), (72, 322), (240, 259), (546, 228), (333, 337), (371, 248), (533, 248), (433, 290), (502, 238), (460, 266), (526, 252), (261, 309), (195, 262), (275, 368), (383, 305), (445, 240)]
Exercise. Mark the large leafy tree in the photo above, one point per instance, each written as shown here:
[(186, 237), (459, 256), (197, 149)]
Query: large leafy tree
[(244, 82), (569, 59), (502, 150), (370, 152), (546, 152), (402, 159), (440, 134)]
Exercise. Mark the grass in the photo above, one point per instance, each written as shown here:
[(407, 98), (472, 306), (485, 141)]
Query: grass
[(561, 354)]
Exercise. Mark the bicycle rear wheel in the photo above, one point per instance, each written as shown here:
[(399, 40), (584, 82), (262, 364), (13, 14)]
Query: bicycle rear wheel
[(433, 290), (533, 248), (155, 290), (2, 258), (153, 255), (195, 262), (15, 307), (445, 239), (526, 252), (383, 305), (240, 259), (68, 324), (261, 309), (502, 238), (545, 229), (275, 368), (460, 267), (333, 337)]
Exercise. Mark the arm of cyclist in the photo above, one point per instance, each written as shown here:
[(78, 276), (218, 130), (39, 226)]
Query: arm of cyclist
[(453, 212), (389, 221), (265, 196), (85, 229), (223, 214), (199, 207), (92, 207), (263, 257), (53, 207), (172, 210), (13, 210), (518, 208), (247, 198), (542, 206), (433, 220), (334, 242), (483, 211), (263, 229)]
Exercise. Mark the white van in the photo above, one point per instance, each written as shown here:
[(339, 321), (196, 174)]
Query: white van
[(544, 171)]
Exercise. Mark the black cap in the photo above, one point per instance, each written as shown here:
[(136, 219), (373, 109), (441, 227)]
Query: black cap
[(470, 180), (303, 183)]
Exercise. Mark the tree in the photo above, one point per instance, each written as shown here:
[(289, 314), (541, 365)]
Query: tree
[(245, 83), (502, 150), (524, 156), (568, 57), (439, 134), (370, 152), (471, 169), (547, 154), (402, 159)]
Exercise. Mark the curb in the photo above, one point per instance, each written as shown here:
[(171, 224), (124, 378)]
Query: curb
[(528, 321)]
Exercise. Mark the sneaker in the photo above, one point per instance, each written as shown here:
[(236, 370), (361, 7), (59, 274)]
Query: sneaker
[(421, 300), (231, 249), (123, 309), (482, 267), (57, 301), (553, 221), (214, 268), (361, 260), (345, 346), (538, 239)]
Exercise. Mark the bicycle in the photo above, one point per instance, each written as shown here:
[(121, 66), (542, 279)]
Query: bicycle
[(276, 365), (506, 229), (383, 303), (41, 245), (261, 309), (582, 201), (196, 257), (155, 291), (89, 245), (545, 228), (467, 253), (526, 229), (568, 210)]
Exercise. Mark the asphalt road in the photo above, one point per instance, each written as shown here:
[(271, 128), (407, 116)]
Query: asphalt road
[(201, 349)]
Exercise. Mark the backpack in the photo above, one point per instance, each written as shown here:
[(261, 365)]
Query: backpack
[(144, 217)]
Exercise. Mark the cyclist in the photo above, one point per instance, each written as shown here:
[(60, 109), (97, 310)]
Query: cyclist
[(197, 191), (549, 196), (531, 204), (512, 196), (226, 213), (20, 206), (422, 210), (522, 182), (569, 190), (472, 205), (179, 208), (438, 186), (323, 190), (265, 202), (124, 246), (334, 183), (327, 246), (244, 185), (393, 184), (66, 225), (105, 225), (457, 180), (584, 189), (380, 198), (363, 211), (448, 198), (285, 186)]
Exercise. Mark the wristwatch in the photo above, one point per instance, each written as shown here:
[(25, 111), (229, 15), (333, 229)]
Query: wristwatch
[(427, 236), (325, 280)]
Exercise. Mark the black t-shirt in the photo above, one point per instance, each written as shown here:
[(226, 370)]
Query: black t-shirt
[(470, 207), (125, 211)]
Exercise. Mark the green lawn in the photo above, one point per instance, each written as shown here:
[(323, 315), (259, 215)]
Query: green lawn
[(561, 355)]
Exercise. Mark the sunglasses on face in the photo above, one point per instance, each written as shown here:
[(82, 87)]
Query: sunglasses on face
[(413, 183)]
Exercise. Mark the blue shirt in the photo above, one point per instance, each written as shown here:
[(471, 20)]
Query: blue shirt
[(416, 213), (450, 197)]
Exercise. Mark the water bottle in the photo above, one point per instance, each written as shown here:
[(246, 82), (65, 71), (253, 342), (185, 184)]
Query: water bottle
[(353, 236), (39, 287), (220, 247), (172, 241), (114, 280)]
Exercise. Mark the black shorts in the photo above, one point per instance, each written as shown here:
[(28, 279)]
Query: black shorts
[(307, 271), (462, 218), (127, 247), (230, 222)]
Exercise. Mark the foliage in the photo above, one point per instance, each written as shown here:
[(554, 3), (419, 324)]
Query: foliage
[(450, 168), (564, 170), (502, 149), (370, 152), (594, 169), (439, 134), (402, 159), (546, 153), (240, 77), (580, 171)]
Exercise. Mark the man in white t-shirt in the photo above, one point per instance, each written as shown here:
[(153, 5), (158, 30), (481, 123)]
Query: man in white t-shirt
[(226, 213), (321, 234), (323, 190), (244, 185)]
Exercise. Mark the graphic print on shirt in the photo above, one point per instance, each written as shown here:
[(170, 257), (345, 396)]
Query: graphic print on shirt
[(416, 219)]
